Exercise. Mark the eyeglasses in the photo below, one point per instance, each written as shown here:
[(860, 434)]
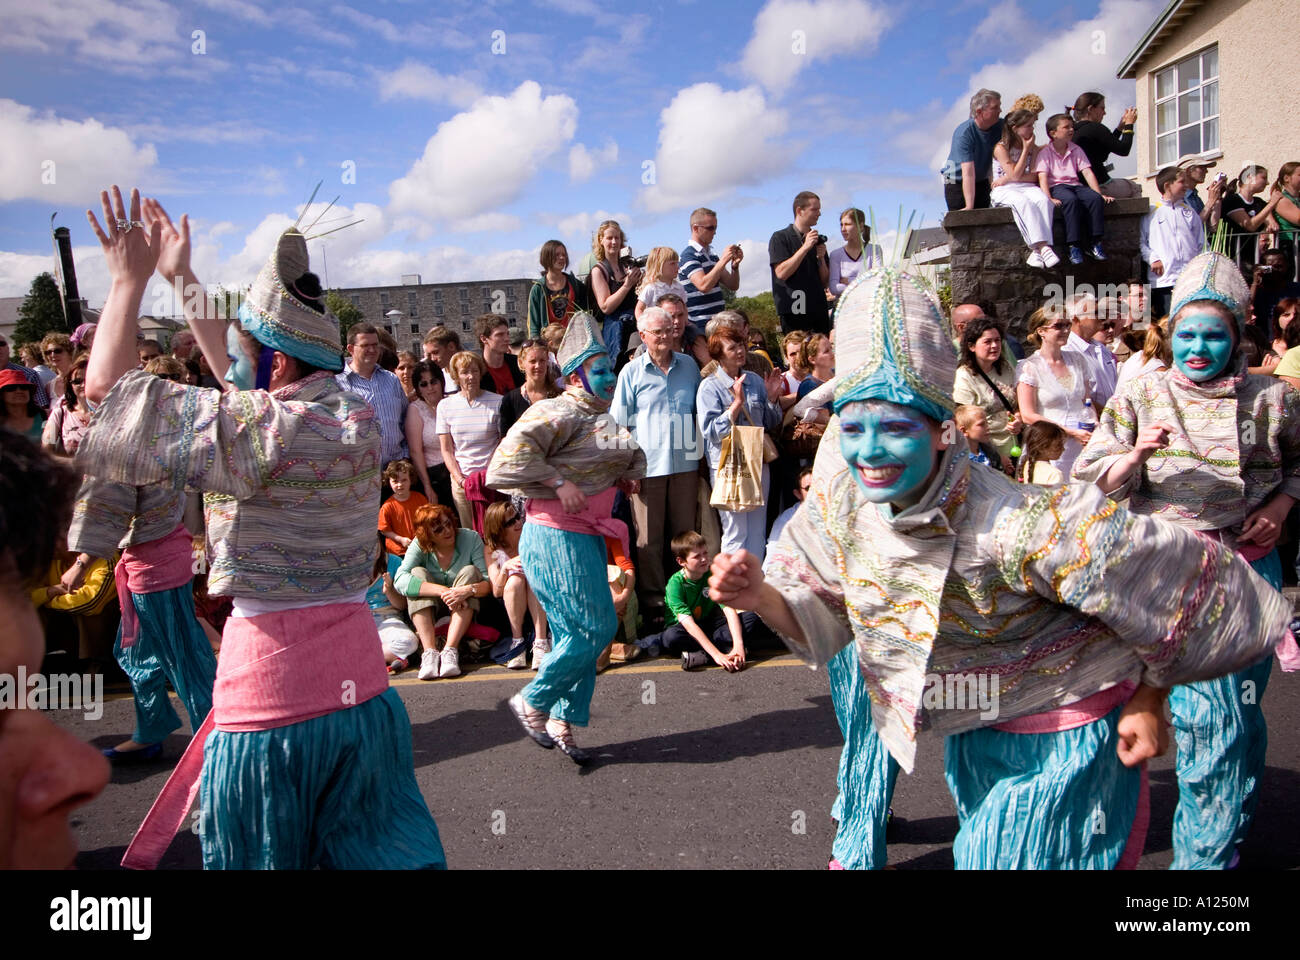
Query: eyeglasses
[(513, 520), (174, 378), (442, 525), (54, 351), (705, 226), (427, 383), (78, 383), (1057, 326), (1108, 325)]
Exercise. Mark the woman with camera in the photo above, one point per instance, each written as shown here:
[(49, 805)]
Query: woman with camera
[(613, 288)]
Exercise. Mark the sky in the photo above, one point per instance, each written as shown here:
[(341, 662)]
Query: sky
[(465, 135)]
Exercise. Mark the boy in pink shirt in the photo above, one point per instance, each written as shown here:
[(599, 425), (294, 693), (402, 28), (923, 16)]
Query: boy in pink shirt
[(1059, 167)]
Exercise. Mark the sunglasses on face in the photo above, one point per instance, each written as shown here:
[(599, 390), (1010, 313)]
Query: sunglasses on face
[(1058, 326), (425, 383), (443, 525), (1108, 325), (78, 383), (513, 520), (54, 351)]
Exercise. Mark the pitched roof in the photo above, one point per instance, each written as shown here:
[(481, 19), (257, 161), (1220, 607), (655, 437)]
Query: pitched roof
[(1170, 19)]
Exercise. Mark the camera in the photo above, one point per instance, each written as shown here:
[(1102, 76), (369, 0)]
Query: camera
[(627, 261)]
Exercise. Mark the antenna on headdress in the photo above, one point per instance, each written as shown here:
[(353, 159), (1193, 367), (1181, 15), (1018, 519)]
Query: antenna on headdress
[(308, 204), (322, 213), (336, 229)]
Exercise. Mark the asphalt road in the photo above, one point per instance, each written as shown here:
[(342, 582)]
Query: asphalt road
[(700, 770)]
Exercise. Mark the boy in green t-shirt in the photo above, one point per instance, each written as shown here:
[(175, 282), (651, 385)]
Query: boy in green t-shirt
[(694, 623)]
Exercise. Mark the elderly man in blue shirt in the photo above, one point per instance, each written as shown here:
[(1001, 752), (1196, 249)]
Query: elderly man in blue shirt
[(655, 400), (379, 388)]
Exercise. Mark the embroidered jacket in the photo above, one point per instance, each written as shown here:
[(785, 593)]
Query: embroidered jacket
[(1236, 443), (571, 436), (286, 475), (1058, 593), (110, 516)]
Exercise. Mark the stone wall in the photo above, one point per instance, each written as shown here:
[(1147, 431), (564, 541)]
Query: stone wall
[(988, 261)]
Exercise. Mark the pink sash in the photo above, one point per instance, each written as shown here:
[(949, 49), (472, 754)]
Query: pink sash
[(275, 669), (594, 519), (162, 564)]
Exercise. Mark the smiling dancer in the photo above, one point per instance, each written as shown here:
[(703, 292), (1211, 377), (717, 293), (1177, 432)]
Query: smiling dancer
[(1211, 447), (307, 731), (946, 578), (565, 455)]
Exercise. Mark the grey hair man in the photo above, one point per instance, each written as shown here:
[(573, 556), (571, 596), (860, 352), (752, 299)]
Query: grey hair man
[(1081, 309), (655, 400), (970, 159)]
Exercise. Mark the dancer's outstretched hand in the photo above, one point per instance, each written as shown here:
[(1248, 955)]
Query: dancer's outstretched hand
[(174, 254), (737, 580), (130, 251), (1143, 730)]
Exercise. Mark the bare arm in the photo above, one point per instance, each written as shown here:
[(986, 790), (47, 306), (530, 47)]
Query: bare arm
[(968, 184), (704, 281), (449, 457), (787, 267), (415, 443)]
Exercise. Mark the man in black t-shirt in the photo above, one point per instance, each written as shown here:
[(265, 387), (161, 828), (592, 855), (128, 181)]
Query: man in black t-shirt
[(801, 269)]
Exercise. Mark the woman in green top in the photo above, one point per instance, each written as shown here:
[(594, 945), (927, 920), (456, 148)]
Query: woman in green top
[(558, 295), (1287, 212), (443, 567)]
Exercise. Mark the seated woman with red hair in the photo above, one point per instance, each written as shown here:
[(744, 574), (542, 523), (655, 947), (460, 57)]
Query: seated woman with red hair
[(443, 573)]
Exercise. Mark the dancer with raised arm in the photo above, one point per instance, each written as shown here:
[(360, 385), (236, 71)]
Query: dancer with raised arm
[(1211, 447), (304, 731), (566, 454), (1027, 625)]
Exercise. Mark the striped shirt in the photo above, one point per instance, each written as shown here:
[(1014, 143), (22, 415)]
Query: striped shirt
[(474, 426), (700, 306), (383, 391)]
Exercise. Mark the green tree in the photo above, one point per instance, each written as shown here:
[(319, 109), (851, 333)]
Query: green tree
[(345, 310), (41, 311), (761, 311)]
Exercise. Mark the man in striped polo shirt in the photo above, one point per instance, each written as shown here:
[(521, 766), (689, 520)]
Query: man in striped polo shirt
[(703, 272)]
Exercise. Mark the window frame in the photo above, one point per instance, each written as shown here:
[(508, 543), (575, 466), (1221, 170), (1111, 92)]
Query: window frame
[(1176, 131)]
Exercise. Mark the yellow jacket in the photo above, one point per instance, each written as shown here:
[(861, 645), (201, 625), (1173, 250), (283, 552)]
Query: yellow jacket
[(94, 594)]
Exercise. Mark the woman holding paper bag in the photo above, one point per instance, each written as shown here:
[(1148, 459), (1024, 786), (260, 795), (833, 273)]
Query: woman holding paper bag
[(726, 398)]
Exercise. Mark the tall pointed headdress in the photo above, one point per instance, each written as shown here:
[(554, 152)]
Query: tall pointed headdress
[(276, 316), (582, 339), (1212, 276), (892, 342)]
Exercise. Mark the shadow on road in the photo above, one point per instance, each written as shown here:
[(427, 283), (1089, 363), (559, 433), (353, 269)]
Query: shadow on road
[(773, 732)]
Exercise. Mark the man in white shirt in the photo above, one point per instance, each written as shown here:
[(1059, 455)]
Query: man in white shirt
[(1084, 326)]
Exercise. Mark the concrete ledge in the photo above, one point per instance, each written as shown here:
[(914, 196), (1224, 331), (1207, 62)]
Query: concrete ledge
[(988, 261)]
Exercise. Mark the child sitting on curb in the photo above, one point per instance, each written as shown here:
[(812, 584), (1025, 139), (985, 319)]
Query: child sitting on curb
[(694, 623)]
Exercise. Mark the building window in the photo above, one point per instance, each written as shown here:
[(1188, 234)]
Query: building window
[(437, 309), (415, 328), (437, 295), (1187, 107), (464, 293), (356, 300)]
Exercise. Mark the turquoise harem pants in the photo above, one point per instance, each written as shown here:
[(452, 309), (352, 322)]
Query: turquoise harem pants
[(1222, 737), (867, 772), (567, 572)]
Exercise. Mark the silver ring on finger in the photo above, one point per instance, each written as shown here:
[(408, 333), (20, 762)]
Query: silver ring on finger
[(125, 226)]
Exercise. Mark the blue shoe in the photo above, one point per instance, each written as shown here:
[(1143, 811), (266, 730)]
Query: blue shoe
[(1096, 252), (1076, 255), (151, 752)]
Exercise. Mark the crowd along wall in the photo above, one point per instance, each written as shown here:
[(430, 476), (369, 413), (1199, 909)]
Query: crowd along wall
[(988, 261)]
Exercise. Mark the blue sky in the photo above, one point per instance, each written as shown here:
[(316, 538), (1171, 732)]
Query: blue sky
[(471, 146)]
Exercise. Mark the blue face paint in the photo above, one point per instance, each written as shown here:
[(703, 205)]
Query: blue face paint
[(242, 373), (889, 449), (1202, 346), (598, 377)]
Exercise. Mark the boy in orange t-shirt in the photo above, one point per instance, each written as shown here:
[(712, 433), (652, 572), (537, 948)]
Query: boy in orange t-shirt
[(397, 515)]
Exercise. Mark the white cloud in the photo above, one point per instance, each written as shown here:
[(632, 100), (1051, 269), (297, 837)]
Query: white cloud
[(486, 223), (713, 140), (123, 36), (1084, 56), (85, 155), (583, 162), (481, 159), (791, 34), (583, 225), (415, 81), (241, 10)]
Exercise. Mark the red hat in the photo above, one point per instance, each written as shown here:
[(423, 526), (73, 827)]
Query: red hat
[(13, 378)]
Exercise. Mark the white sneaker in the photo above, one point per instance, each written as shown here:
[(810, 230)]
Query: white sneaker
[(519, 662), (540, 649), (1035, 261), (1050, 259), (450, 663), (429, 665)]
